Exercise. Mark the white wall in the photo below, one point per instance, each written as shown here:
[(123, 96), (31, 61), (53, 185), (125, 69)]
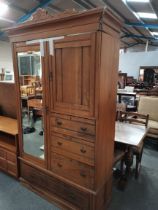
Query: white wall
[(130, 62), (6, 56)]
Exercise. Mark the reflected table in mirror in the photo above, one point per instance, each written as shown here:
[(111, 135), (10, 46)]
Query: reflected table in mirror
[(33, 129)]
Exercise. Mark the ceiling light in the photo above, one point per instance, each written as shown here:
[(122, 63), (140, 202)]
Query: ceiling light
[(147, 15), (139, 1), (3, 8), (155, 33)]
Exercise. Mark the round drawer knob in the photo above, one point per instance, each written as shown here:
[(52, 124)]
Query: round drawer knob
[(83, 150), (59, 165), (59, 123), (83, 129), (59, 143), (82, 174)]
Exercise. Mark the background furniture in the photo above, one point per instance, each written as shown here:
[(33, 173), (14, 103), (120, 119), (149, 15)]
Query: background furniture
[(8, 129), (122, 80), (129, 98), (79, 116), (148, 74), (149, 105), (28, 79), (129, 89), (8, 145), (8, 106), (129, 80), (2, 76)]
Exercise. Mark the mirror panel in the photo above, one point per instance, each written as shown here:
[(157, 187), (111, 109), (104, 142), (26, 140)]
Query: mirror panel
[(30, 78)]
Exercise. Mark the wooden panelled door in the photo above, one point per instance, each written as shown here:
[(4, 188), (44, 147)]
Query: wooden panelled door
[(72, 68)]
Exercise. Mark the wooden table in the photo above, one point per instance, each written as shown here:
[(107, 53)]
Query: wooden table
[(9, 145), (8, 125), (37, 109), (35, 103), (130, 135)]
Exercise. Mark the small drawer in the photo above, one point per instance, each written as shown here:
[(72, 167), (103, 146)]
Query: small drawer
[(80, 127), (11, 168), (73, 170), (11, 157), (3, 153), (3, 164), (73, 148)]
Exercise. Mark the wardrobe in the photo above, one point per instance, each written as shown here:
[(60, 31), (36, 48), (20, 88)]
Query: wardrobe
[(78, 62)]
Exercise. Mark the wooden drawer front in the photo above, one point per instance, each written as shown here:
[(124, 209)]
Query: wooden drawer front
[(3, 164), (12, 169), (2, 153), (11, 157), (8, 162), (72, 149), (80, 127), (73, 170), (79, 199)]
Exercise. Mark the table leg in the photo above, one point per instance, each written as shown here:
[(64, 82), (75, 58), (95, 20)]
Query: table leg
[(129, 160)]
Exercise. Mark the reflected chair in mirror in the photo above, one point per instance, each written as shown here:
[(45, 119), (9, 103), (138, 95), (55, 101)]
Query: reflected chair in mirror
[(36, 107), (27, 93), (138, 119), (38, 89)]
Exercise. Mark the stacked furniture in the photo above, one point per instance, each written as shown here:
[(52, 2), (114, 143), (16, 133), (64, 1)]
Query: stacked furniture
[(148, 105), (8, 130), (79, 92), (9, 145)]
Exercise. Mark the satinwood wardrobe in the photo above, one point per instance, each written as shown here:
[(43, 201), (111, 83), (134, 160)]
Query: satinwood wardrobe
[(79, 60)]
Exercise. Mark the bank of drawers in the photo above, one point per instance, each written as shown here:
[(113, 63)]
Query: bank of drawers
[(72, 148), (8, 162)]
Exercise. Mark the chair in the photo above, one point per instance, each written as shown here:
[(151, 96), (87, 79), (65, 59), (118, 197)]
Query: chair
[(148, 105), (27, 93), (120, 107), (140, 119), (119, 154), (38, 89), (119, 150)]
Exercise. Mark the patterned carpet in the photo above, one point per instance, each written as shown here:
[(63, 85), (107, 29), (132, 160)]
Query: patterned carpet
[(14, 196), (141, 194)]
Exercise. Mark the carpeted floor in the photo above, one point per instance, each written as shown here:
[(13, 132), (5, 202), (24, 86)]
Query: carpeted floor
[(139, 194)]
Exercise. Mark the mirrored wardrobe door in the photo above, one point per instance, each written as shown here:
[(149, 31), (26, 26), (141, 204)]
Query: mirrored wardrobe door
[(31, 99)]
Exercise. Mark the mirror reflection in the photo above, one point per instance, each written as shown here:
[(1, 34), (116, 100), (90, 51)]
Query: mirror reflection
[(30, 77)]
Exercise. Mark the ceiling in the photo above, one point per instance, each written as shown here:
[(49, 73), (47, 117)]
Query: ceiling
[(135, 31)]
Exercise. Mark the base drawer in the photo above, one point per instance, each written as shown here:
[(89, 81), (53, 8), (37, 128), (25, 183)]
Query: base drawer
[(52, 185), (2, 153), (73, 170), (11, 168), (11, 157), (3, 164)]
